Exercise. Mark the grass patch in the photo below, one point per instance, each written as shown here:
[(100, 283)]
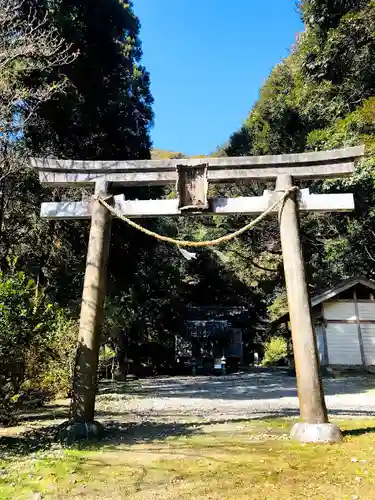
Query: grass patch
[(242, 460)]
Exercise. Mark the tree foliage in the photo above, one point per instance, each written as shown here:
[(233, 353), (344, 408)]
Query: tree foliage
[(275, 351), (36, 342), (106, 111), (28, 44), (321, 97), (71, 86)]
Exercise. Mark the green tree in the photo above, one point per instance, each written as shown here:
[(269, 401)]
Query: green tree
[(320, 97), (323, 15), (275, 350), (94, 103), (29, 45), (106, 111), (36, 342)]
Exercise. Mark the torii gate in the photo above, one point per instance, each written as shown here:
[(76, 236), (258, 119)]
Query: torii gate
[(193, 176)]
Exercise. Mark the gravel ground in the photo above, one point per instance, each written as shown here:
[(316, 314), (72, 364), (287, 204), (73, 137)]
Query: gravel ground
[(229, 398)]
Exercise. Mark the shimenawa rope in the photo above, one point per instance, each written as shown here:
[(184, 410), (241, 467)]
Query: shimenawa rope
[(183, 243)]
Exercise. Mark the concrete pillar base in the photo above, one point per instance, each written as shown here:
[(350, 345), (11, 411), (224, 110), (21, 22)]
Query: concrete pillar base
[(72, 431), (316, 433)]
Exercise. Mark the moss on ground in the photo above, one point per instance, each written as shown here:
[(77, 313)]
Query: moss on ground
[(235, 460)]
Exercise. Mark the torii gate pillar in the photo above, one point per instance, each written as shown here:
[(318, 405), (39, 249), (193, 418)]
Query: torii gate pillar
[(314, 426), (85, 376)]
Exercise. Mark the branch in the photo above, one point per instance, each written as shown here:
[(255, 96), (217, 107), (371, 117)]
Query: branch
[(368, 253), (28, 45)]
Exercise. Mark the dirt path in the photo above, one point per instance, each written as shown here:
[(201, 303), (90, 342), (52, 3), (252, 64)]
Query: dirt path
[(235, 397), (186, 400)]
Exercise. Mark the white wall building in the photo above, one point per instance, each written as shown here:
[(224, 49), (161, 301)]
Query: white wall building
[(344, 322)]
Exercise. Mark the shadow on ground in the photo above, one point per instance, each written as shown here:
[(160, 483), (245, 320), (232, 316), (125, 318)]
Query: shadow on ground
[(120, 433), (49, 412), (115, 433), (59, 413), (359, 431)]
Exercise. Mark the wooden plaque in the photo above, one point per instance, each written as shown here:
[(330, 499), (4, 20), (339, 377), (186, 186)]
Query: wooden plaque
[(192, 187)]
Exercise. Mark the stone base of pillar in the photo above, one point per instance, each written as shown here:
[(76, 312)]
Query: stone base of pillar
[(316, 433), (72, 431)]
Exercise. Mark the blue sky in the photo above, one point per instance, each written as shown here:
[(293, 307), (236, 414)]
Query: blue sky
[(208, 60)]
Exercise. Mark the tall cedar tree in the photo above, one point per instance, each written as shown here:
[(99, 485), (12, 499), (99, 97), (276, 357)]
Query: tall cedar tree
[(106, 112)]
